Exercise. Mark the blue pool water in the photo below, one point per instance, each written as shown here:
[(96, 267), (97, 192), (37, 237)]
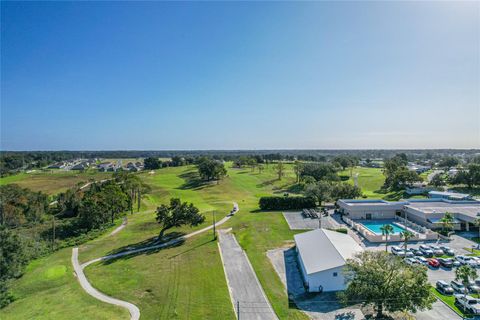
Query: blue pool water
[(375, 225)]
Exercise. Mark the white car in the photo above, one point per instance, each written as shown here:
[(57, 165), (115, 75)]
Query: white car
[(467, 303), (422, 260), (477, 261), (465, 260), (410, 261)]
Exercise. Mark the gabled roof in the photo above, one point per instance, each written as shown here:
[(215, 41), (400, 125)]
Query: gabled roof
[(323, 249)]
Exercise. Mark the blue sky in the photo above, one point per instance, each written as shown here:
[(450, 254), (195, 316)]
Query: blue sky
[(225, 75)]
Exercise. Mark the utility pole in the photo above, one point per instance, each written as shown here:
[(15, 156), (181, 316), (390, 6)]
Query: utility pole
[(320, 221), (238, 310), (214, 232), (53, 228)]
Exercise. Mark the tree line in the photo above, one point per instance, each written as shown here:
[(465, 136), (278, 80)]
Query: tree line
[(31, 227)]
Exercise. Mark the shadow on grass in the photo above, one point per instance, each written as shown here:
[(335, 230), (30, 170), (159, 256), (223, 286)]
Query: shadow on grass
[(192, 181), (191, 249), (266, 183), (170, 240)]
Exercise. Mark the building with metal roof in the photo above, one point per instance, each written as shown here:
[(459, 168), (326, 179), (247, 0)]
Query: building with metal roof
[(322, 254)]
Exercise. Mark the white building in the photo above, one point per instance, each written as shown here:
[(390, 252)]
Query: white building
[(322, 255)]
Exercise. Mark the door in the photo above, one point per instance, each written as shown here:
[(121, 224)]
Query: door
[(368, 216)]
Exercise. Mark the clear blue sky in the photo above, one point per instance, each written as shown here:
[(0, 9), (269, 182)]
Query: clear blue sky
[(151, 75)]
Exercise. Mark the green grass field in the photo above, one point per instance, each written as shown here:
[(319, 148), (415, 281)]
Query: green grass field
[(53, 181), (49, 290), (176, 282)]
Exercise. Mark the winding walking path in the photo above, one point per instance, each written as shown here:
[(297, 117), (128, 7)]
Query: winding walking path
[(133, 309)]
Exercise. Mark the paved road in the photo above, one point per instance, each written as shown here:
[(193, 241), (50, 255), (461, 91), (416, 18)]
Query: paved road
[(134, 311), (243, 284), (439, 311)]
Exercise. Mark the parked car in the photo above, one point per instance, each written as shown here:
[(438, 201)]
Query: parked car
[(457, 286), (467, 303), (437, 251), (409, 254), (444, 288), (456, 263), (399, 253), (410, 261), (427, 252), (422, 260), (465, 260), (417, 252), (395, 249), (473, 287), (433, 263), (446, 262), (448, 251), (476, 260)]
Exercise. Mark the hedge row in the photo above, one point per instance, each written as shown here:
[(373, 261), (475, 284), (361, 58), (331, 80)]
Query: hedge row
[(286, 203)]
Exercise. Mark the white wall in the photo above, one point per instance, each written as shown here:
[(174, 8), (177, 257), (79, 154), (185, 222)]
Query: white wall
[(327, 280)]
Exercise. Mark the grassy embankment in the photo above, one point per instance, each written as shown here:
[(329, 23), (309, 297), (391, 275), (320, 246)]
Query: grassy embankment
[(185, 281), (53, 181)]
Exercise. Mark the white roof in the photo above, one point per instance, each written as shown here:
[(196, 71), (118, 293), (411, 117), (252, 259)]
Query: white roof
[(323, 249)]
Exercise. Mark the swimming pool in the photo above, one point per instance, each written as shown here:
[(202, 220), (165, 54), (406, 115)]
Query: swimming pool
[(375, 225)]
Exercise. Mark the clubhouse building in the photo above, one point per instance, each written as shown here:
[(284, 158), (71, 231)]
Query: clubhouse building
[(424, 212)]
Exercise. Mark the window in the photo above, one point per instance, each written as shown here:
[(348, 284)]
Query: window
[(335, 274)]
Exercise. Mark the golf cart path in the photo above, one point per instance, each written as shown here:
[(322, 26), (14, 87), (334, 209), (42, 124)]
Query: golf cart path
[(246, 292), (133, 309)]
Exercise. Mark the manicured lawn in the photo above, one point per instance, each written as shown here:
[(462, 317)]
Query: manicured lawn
[(186, 281), (53, 181), (49, 290)]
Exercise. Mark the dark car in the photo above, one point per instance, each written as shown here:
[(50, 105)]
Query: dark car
[(446, 262), (444, 288), (433, 263)]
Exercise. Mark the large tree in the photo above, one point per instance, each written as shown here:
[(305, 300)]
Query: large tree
[(320, 171), (152, 163), (12, 261), (344, 191), (280, 169), (19, 206), (177, 214), (465, 274), (386, 282), (320, 191), (210, 169)]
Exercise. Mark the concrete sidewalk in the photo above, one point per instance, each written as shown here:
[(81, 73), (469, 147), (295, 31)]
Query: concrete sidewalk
[(246, 292)]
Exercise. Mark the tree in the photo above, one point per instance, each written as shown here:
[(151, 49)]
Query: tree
[(437, 180), (464, 274), (406, 235), (13, 259), (477, 224), (210, 169), (320, 171), (386, 229), (151, 163), (115, 200), (320, 191), (345, 191), (448, 162), (297, 168), (260, 168), (177, 214), (280, 169), (447, 222), (386, 282)]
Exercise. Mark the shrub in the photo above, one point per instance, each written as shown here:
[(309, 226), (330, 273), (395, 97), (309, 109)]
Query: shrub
[(286, 203)]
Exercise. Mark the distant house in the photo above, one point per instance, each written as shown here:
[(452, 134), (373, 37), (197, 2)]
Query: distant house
[(418, 188), (322, 255), (418, 168), (449, 195), (80, 166), (104, 166)]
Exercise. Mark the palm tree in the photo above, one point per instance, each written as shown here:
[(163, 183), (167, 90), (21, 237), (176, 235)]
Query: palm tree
[(465, 274), (447, 222), (386, 230), (406, 235), (477, 224)]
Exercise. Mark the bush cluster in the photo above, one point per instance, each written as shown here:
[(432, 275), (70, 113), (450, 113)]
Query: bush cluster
[(286, 203)]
